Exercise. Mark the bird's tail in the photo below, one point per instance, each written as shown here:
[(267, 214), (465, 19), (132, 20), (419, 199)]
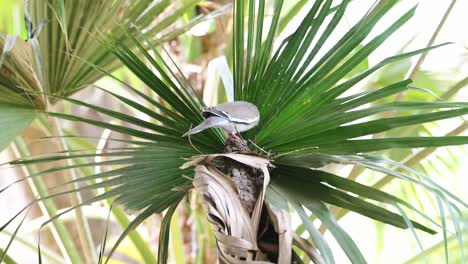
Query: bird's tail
[(196, 129), (207, 123)]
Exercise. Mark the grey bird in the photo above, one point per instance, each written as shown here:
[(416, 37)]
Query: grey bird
[(234, 117)]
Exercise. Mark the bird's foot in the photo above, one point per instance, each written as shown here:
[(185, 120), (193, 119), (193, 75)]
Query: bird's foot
[(233, 136)]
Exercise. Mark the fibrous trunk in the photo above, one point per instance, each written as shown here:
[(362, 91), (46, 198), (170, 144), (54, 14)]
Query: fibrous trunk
[(248, 180), (232, 190)]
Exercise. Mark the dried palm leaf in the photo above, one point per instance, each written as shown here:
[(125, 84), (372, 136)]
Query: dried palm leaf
[(19, 88), (18, 83), (237, 232)]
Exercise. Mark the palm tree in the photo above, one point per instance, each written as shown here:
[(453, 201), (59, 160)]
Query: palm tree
[(310, 118), (59, 53)]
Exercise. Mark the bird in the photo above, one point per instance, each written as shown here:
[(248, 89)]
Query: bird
[(233, 117)]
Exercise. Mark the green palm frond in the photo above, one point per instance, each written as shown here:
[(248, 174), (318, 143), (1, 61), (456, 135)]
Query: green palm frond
[(436, 252), (174, 117), (70, 40), (63, 41), (303, 109), (305, 120)]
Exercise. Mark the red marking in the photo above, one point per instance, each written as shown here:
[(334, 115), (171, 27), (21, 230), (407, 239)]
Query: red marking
[(233, 136)]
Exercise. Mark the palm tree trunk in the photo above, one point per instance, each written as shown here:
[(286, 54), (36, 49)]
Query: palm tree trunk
[(247, 179), (232, 190)]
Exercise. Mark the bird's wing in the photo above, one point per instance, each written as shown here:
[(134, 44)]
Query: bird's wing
[(239, 111), (212, 111)]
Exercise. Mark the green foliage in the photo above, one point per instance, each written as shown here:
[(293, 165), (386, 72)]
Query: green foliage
[(305, 121), (303, 109), (11, 18), (16, 119), (70, 41), (63, 41), (437, 253)]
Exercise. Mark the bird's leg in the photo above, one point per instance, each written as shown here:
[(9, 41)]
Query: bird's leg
[(238, 136), (233, 135)]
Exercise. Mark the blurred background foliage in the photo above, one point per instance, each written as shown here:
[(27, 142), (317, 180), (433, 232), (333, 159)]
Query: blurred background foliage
[(443, 75)]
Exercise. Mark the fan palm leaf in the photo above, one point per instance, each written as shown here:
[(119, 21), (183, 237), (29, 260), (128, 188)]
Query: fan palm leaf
[(62, 44), (305, 116), (70, 40)]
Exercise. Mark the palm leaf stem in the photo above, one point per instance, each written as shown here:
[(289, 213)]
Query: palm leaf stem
[(435, 249), (7, 259), (430, 43), (411, 159), (419, 156), (408, 162), (120, 215), (357, 170), (83, 228), (177, 239), (48, 208), (454, 89), (49, 254)]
